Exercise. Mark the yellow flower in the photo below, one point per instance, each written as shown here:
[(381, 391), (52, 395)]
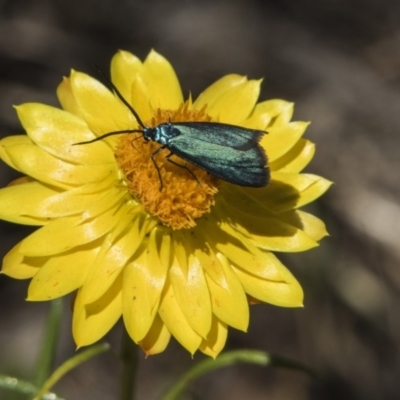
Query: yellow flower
[(186, 261)]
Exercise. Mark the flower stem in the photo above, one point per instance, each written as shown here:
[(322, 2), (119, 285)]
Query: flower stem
[(47, 352), (260, 358), (69, 365), (129, 359), (18, 385)]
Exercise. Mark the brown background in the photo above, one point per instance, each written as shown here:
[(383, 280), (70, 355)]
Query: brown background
[(339, 61)]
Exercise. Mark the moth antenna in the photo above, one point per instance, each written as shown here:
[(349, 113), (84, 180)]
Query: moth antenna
[(109, 134), (122, 98)]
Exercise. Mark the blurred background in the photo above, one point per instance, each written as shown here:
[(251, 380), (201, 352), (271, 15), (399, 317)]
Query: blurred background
[(339, 61)]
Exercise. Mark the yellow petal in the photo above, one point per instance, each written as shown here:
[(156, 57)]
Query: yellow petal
[(139, 309), (296, 159), (263, 264), (92, 199), (274, 112), (11, 141), (216, 339), (89, 200), (284, 294), (229, 303), (157, 339), (101, 110), (158, 262), (280, 111), (65, 233), (56, 131), (235, 104), (257, 121), (124, 66), (21, 181), (66, 97), (308, 187), (317, 189), (281, 138), (272, 234), (92, 321), (201, 249), (37, 163), (115, 252), (268, 233), (311, 225), (22, 204), (17, 266), (175, 321), (209, 261), (244, 199), (217, 89), (141, 94), (191, 292), (288, 191), (144, 279), (63, 273), (181, 252), (166, 92)]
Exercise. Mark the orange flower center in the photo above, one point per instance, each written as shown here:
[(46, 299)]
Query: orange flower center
[(185, 195)]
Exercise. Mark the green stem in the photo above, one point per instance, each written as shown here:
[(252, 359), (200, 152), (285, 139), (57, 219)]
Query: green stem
[(70, 364), (48, 348), (18, 385), (230, 358), (233, 357), (129, 359)]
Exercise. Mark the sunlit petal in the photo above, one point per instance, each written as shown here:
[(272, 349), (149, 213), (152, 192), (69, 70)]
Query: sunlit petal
[(216, 339), (176, 322), (92, 321), (157, 339)]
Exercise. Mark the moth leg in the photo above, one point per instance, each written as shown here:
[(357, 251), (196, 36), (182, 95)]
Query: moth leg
[(181, 166), (139, 137), (154, 153)]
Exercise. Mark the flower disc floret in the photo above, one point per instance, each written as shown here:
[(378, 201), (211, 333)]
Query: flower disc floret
[(186, 193)]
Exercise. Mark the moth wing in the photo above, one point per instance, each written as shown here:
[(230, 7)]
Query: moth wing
[(235, 156), (222, 134)]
